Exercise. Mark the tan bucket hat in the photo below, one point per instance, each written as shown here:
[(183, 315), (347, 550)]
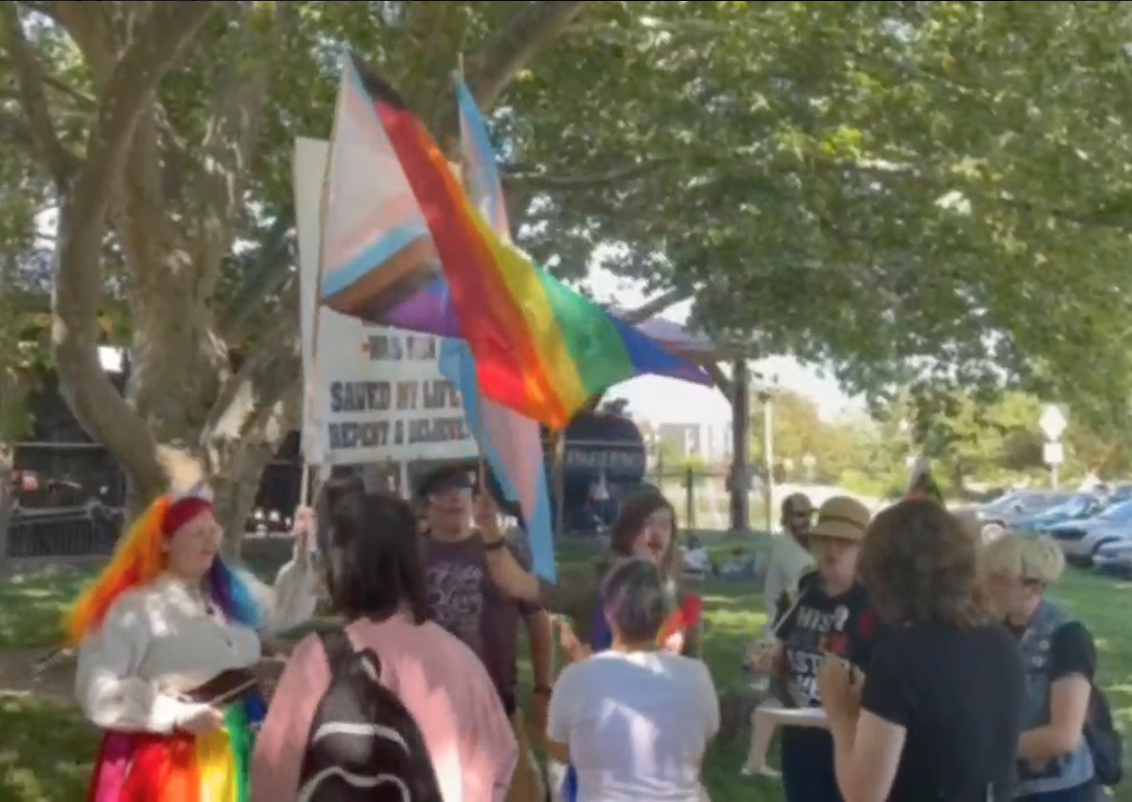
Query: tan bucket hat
[(842, 518)]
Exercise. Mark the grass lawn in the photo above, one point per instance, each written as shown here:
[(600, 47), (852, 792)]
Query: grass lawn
[(46, 749)]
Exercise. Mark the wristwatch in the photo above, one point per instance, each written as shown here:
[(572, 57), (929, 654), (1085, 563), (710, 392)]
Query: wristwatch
[(542, 689), (496, 544)]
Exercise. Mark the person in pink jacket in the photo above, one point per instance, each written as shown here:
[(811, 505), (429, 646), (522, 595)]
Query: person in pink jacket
[(375, 578)]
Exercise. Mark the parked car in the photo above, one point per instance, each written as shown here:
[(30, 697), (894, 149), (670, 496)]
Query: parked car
[(1121, 491), (1114, 559), (1080, 540), (1077, 507), (997, 516)]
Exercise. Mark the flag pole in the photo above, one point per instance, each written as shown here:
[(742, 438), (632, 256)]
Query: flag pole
[(461, 164), (311, 381)]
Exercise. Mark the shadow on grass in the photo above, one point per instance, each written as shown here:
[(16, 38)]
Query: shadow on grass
[(32, 606), (46, 752)]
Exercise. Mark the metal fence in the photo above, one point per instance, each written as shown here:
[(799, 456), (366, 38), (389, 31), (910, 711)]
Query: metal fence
[(54, 475), (69, 499), (700, 495), (89, 531)]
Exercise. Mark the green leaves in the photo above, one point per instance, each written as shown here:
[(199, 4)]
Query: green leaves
[(901, 190), (874, 184)]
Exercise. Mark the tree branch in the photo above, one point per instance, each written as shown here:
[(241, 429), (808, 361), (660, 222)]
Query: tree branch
[(252, 414), (158, 43), (88, 25), (232, 131), (531, 31), (33, 98), (272, 368), (719, 379), (16, 132), (657, 305), (530, 179), (264, 278)]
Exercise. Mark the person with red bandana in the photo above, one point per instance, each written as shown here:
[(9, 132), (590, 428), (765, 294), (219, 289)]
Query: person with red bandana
[(167, 638)]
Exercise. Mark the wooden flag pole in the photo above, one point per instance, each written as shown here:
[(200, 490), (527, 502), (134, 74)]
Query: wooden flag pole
[(311, 382)]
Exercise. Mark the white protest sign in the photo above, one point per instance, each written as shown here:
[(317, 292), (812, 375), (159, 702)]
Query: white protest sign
[(371, 393)]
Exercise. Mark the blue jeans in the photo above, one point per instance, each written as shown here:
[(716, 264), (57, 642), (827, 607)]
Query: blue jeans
[(807, 766)]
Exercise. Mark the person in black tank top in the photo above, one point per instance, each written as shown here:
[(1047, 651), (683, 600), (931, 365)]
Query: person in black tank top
[(941, 707)]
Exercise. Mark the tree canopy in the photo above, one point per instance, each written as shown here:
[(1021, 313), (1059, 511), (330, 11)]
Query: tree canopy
[(904, 189)]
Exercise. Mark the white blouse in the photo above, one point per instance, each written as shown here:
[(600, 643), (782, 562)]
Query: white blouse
[(166, 638)]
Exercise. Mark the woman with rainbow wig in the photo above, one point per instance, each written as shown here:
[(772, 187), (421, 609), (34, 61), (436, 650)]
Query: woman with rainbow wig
[(167, 636)]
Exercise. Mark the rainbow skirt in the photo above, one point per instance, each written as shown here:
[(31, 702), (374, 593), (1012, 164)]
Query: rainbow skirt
[(142, 767)]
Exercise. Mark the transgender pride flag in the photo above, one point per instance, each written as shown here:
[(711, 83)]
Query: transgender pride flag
[(511, 443)]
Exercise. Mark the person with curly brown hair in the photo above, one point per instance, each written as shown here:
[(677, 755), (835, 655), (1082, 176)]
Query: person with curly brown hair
[(939, 712)]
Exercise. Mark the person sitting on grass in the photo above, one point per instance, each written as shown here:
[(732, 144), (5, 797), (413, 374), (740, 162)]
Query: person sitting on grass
[(739, 566), (697, 561)]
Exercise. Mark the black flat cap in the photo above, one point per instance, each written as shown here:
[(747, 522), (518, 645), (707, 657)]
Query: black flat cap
[(443, 477)]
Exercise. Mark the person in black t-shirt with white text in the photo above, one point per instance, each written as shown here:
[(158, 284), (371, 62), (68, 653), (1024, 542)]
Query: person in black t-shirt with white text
[(1055, 763), (829, 615), (941, 707)]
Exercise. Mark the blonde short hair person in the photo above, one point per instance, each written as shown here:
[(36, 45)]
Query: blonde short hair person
[(1054, 759), (1036, 560)]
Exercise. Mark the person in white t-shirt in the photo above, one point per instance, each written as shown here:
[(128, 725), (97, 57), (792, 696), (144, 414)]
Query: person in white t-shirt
[(634, 721), (790, 556)]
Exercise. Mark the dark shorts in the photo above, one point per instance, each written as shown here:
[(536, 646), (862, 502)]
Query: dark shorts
[(1089, 792), (807, 766)]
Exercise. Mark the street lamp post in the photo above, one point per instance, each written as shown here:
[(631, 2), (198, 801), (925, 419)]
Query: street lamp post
[(766, 398), (809, 462), (1053, 423)]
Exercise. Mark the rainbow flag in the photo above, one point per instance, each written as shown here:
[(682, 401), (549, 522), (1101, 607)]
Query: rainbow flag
[(511, 442), (541, 349)]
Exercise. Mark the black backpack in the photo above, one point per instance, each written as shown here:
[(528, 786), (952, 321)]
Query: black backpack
[(363, 744), (1105, 743)]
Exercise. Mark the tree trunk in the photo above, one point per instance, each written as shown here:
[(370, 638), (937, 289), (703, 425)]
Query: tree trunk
[(7, 501), (175, 233), (253, 413), (174, 205)]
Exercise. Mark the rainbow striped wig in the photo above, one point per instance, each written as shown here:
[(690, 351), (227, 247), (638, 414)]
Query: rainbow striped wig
[(139, 558)]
